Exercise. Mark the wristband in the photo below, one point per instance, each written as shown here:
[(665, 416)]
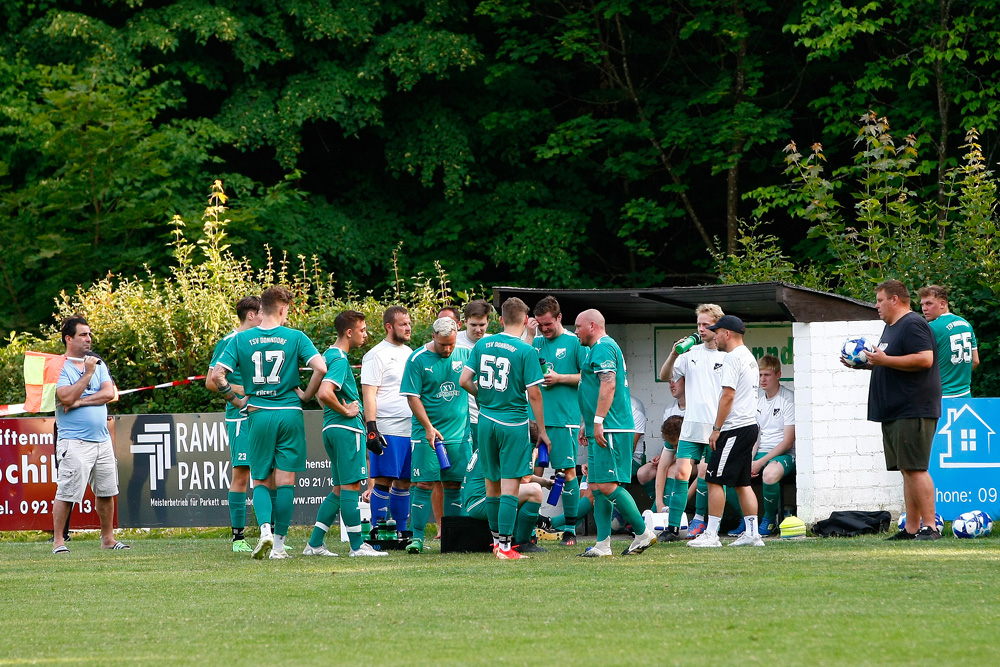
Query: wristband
[(716, 428), (598, 419)]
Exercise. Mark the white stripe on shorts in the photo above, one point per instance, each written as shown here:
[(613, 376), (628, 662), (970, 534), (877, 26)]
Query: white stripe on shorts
[(727, 448)]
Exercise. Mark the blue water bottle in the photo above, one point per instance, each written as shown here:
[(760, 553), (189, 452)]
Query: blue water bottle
[(543, 456), (557, 488), (442, 454)]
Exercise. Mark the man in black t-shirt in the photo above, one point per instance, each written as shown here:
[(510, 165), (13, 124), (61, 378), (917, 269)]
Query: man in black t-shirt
[(905, 396)]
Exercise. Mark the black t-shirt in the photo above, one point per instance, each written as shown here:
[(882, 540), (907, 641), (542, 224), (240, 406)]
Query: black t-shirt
[(894, 394)]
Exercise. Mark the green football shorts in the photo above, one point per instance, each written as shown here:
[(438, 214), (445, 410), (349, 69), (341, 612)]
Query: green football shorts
[(506, 450)]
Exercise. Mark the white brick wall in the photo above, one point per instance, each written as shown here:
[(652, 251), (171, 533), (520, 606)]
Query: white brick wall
[(839, 460)]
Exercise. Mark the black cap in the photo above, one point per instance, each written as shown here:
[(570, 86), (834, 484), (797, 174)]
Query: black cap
[(730, 322)]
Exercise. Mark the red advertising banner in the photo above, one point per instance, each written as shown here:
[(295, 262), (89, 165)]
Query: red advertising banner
[(28, 478)]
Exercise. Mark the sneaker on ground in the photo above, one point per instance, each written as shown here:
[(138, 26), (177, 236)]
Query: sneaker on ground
[(529, 548), (568, 539), (669, 535), (768, 527), (264, 544), (740, 529), (901, 535), (510, 554), (747, 540), (279, 555), (641, 542), (321, 550), (696, 528), (596, 552), (927, 533), (242, 547), (366, 550), (416, 546), (706, 540)]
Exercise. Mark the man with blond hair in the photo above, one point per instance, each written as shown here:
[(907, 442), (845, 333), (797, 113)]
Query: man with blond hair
[(958, 351)]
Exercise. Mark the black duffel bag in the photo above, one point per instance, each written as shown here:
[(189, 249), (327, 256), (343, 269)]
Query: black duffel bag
[(849, 524)]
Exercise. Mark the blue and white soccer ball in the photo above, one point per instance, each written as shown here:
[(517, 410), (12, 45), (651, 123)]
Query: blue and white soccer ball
[(972, 524), (855, 351), (617, 522), (938, 522), (987, 522)]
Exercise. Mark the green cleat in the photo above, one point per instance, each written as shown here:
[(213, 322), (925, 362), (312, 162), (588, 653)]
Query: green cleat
[(416, 546), (241, 547)]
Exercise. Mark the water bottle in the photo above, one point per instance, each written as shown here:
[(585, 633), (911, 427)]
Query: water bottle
[(366, 529), (687, 343), (390, 530), (442, 454), (545, 370), (543, 456), (557, 488)]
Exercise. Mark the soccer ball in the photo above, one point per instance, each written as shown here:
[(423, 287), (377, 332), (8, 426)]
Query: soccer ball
[(617, 522), (986, 521), (968, 525), (938, 522), (855, 351)]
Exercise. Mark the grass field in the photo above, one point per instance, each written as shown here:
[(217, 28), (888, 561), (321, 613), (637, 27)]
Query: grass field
[(186, 599)]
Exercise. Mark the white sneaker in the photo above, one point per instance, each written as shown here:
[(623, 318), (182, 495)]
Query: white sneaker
[(279, 555), (596, 551), (641, 543), (321, 550), (264, 544), (747, 540), (705, 540), (366, 550)]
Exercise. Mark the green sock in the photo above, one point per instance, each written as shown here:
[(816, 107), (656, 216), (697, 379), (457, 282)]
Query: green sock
[(493, 512), (420, 510), (700, 498), (650, 489), (453, 502), (559, 522), (772, 500), (733, 499), (602, 515), (325, 517), (351, 514), (506, 514), (284, 498), (527, 517), (625, 504), (238, 510), (263, 506), (274, 495), (583, 508), (678, 500), (570, 501)]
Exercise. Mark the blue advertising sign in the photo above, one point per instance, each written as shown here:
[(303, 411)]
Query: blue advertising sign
[(965, 460)]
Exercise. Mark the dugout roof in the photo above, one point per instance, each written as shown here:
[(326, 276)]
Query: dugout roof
[(751, 302)]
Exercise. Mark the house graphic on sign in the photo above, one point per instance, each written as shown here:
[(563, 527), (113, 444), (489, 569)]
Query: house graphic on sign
[(969, 441)]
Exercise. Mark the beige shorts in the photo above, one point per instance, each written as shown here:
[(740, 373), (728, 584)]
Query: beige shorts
[(83, 462)]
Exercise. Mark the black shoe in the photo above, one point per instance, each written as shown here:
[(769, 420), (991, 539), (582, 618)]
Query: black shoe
[(568, 539), (902, 535), (927, 533), (529, 548), (669, 535), (544, 522)]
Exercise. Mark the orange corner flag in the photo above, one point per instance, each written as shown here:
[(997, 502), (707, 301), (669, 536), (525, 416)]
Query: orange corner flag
[(41, 373)]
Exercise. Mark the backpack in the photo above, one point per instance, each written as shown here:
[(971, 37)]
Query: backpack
[(849, 524)]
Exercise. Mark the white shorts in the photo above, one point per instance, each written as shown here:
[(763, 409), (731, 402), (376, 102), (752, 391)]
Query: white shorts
[(83, 462)]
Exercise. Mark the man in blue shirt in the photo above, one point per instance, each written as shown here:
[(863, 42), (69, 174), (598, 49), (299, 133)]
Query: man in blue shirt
[(84, 448)]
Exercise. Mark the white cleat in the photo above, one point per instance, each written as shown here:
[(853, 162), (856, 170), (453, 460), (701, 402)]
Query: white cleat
[(366, 550), (279, 555), (321, 550), (746, 540), (596, 551), (264, 544), (705, 540), (641, 543)]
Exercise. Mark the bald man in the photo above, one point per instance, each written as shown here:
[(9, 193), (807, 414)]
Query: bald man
[(607, 431)]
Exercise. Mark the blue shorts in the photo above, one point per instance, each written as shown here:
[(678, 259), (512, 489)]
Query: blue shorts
[(394, 462)]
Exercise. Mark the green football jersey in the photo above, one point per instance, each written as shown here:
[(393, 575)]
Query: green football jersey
[(504, 366), (268, 361), (605, 356), (338, 371), (566, 356), (232, 412), (955, 341), (474, 485), (434, 379)]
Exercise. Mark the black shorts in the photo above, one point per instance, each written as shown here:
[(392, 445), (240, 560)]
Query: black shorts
[(908, 443), (731, 461)]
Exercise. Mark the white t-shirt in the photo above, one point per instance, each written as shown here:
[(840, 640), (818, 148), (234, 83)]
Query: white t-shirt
[(462, 340), (701, 369), (740, 372), (773, 415), (382, 367), (639, 417)]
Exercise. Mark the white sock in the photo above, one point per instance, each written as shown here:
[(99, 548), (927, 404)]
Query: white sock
[(265, 529), (713, 525), (604, 544), (697, 517), (751, 525), (279, 543)]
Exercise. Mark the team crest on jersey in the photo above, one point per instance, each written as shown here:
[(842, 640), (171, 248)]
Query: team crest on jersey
[(777, 411), (717, 367), (561, 353), (447, 391), (456, 365)]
